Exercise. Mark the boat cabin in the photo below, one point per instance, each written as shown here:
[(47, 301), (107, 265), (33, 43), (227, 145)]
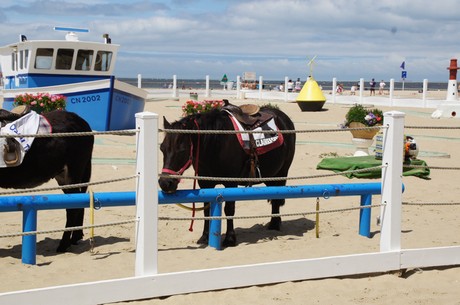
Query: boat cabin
[(41, 63)]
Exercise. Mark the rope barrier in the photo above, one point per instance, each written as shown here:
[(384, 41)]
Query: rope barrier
[(227, 179), (182, 131), (74, 134), (271, 215), (68, 186), (430, 203), (432, 167), (163, 218), (109, 224), (432, 127)]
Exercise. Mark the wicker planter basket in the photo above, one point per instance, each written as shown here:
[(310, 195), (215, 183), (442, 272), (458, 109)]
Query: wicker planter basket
[(362, 134)]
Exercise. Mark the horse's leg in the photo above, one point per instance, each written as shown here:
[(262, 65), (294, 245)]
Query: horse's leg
[(74, 217), (230, 236), (275, 222), (64, 244), (205, 236), (79, 214)]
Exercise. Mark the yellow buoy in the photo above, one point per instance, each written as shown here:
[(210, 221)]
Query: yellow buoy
[(311, 97)]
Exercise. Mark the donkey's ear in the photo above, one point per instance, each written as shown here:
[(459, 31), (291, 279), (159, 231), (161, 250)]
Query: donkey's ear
[(166, 123)]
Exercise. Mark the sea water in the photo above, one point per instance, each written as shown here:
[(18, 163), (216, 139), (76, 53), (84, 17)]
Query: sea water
[(190, 84)]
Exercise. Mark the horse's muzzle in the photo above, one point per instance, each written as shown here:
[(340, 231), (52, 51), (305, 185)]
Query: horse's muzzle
[(168, 185)]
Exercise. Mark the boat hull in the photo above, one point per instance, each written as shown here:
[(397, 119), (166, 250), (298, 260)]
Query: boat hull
[(105, 104)]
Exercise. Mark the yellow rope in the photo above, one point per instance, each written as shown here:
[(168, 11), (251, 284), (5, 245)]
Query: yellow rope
[(317, 217), (91, 220), (191, 209)]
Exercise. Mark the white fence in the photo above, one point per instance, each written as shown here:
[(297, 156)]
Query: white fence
[(148, 283)]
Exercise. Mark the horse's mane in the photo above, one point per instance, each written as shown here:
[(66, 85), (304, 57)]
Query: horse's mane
[(211, 120), (205, 120)]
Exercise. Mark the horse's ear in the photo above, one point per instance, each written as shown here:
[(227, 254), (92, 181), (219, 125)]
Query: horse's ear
[(166, 124)]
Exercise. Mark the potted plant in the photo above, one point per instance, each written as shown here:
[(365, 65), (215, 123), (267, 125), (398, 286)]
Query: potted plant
[(359, 117), (193, 107), (41, 102)]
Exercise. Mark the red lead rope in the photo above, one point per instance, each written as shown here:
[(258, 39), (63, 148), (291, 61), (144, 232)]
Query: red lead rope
[(197, 157)]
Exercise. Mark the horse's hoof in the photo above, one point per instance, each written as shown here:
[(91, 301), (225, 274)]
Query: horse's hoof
[(63, 247), (76, 237), (275, 224), (229, 241), (203, 240)]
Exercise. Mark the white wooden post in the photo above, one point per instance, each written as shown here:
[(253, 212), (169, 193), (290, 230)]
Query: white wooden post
[(361, 90), (207, 93), (392, 90), (139, 81), (147, 194), (174, 92), (261, 84), (334, 88), (286, 80), (425, 89), (238, 87), (390, 239)]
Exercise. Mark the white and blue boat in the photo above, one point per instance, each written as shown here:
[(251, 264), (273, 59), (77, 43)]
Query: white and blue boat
[(81, 71)]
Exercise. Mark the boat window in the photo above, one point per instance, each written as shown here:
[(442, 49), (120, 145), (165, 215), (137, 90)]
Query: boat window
[(44, 58), (64, 59), (14, 65), (21, 59), (26, 58), (84, 60), (103, 59)]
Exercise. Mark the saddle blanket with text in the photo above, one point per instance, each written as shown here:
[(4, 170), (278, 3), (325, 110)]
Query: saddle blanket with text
[(264, 142), (31, 123)]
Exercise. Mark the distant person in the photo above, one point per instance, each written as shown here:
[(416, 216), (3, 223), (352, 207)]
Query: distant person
[(339, 89), (381, 87), (372, 85), (290, 85), (298, 85), (281, 87), (353, 90)]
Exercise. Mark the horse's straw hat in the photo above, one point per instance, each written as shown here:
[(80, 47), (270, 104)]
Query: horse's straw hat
[(19, 109), (250, 109)]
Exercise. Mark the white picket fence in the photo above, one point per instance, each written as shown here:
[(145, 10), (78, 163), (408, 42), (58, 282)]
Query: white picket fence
[(148, 283)]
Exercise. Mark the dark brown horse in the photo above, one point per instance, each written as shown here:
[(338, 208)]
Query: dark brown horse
[(217, 155), (67, 159)]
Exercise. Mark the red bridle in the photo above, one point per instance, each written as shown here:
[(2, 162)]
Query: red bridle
[(189, 161), (183, 168)]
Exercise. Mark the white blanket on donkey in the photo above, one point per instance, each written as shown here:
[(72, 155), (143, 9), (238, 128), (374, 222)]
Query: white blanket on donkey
[(31, 123)]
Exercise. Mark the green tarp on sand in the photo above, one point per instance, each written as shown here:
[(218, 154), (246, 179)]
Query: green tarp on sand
[(353, 163)]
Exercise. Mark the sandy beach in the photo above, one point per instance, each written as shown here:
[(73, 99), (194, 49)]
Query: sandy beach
[(113, 257)]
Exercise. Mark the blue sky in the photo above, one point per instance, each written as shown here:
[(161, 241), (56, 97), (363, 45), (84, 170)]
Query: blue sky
[(352, 39)]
